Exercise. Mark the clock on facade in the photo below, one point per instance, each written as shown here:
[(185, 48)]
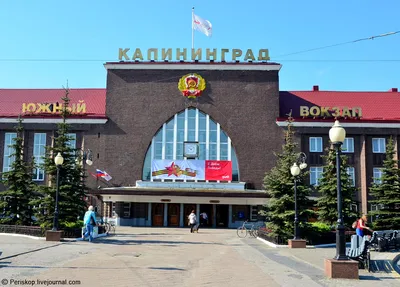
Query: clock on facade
[(190, 149)]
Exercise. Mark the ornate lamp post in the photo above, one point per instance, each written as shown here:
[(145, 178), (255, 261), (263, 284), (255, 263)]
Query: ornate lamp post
[(340, 266), (87, 158), (58, 160), (337, 135), (295, 170)]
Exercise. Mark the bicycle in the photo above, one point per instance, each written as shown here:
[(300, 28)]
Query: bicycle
[(108, 226), (242, 230)]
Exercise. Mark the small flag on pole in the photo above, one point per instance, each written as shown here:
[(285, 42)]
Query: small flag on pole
[(202, 25), (103, 174), (107, 176), (99, 173)]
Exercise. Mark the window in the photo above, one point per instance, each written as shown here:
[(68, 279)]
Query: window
[(354, 207), (375, 207), (39, 152), (72, 140), (315, 144), (348, 145), (113, 212), (8, 151), (191, 125), (379, 145), (253, 213), (315, 174), (127, 210), (350, 172), (377, 175)]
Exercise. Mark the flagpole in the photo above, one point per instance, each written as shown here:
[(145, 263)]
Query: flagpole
[(193, 28)]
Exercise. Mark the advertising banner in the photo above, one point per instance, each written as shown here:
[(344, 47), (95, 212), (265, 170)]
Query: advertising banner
[(178, 169), (219, 170), (192, 169)]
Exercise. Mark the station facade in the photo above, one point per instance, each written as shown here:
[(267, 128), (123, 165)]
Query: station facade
[(182, 136)]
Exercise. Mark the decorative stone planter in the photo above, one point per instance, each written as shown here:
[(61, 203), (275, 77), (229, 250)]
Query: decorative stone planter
[(345, 269), (54, 235), (297, 243)]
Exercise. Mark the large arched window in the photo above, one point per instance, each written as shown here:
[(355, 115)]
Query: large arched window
[(191, 125)]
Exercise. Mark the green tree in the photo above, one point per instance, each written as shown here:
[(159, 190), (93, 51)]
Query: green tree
[(279, 185), (71, 181), (15, 201), (386, 193), (327, 202)]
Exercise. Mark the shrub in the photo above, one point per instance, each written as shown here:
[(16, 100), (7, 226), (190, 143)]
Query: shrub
[(76, 224), (321, 227)]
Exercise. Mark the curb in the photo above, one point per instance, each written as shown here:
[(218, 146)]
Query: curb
[(44, 238), (273, 245), (23, 235), (270, 244)]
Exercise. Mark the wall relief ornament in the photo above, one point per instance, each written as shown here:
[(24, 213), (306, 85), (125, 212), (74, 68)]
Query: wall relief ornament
[(191, 85)]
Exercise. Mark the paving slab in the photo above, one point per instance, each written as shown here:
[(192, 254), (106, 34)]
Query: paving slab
[(173, 257)]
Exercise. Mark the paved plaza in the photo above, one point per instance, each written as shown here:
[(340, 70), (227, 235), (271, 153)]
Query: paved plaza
[(174, 257)]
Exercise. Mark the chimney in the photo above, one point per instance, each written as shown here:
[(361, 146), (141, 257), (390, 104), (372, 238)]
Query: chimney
[(315, 88), (393, 90)]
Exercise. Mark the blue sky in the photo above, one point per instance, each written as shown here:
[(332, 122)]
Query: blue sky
[(85, 34)]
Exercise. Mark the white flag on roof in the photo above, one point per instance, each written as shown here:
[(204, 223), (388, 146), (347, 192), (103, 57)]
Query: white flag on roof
[(202, 25)]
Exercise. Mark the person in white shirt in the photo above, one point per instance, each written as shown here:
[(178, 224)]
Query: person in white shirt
[(192, 220)]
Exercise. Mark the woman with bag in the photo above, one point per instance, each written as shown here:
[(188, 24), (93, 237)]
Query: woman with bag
[(89, 221)]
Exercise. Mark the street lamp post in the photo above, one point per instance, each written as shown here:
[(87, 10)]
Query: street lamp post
[(337, 135), (87, 158), (58, 160), (295, 170)]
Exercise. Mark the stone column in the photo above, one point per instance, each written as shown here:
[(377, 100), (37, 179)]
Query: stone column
[(165, 214), (230, 216), (149, 217), (363, 175), (214, 218), (181, 214), (198, 212)]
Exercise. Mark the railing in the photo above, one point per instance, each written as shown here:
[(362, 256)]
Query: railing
[(20, 229), (263, 233), (40, 232)]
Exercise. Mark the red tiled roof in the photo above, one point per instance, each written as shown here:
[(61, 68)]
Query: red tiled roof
[(376, 106), (11, 100)]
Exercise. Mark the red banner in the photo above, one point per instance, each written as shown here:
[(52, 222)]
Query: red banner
[(218, 170)]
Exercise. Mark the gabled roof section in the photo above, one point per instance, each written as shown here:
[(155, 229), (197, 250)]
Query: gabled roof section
[(375, 106), (14, 102)]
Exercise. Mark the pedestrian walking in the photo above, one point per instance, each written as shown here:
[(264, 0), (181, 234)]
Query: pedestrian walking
[(361, 226), (192, 220), (89, 221)]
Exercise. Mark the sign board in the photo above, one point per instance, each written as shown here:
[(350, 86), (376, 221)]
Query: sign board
[(192, 169)]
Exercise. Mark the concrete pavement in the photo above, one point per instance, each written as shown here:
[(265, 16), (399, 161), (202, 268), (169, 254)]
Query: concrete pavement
[(172, 257)]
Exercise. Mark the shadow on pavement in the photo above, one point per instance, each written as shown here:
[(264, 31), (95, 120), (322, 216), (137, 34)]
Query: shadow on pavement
[(167, 268), (62, 267), (373, 278), (147, 234), (382, 266), (105, 240)]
